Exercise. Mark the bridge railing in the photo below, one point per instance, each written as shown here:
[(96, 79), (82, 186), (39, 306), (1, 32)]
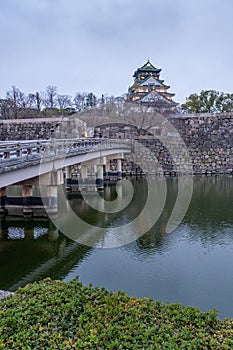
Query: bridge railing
[(18, 152)]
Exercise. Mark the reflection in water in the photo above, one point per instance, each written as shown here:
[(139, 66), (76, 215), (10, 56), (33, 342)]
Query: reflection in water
[(192, 265), (34, 249)]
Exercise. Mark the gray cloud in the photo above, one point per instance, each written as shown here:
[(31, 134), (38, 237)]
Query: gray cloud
[(96, 45)]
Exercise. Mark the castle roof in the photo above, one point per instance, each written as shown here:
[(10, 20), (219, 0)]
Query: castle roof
[(155, 97), (150, 81), (147, 67)]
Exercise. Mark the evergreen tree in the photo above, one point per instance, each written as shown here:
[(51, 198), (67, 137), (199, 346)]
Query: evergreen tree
[(91, 100), (208, 101)]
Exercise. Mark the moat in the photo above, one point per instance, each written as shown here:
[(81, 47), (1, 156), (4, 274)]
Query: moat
[(191, 265)]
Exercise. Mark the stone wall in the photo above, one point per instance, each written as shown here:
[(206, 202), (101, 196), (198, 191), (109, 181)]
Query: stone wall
[(40, 128), (25, 130), (208, 138)]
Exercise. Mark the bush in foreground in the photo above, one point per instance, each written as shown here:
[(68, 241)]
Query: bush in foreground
[(57, 315)]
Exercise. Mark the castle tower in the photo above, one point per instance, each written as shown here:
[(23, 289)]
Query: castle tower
[(148, 86)]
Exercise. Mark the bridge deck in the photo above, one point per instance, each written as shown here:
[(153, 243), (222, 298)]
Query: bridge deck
[(17, 156)]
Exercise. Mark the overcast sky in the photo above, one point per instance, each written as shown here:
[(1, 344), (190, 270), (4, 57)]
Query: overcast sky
[(96, 45)]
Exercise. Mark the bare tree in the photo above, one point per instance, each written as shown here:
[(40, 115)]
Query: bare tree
[(6, 109), (17, 103), (17, 99), (110, 99), (50, 96), (23, 101), (13, 96), (121, 99), (31, 99), (34, 101), (140, 117), (64, 101), (79, 101)]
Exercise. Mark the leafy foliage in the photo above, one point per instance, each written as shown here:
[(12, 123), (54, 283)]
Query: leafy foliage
[(208, 101), (57, 315)]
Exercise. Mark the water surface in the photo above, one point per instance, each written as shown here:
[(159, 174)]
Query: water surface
[(192, 265)]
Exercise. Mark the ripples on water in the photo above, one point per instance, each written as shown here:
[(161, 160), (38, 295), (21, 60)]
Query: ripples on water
[(192, 265)]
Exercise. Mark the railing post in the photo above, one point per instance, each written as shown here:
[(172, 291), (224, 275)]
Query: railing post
[(19, 151)]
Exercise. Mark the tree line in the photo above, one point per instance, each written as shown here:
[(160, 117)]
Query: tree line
[(17, 104)]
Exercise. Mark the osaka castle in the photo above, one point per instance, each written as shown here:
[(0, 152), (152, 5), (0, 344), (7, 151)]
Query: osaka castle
[(149, 88)]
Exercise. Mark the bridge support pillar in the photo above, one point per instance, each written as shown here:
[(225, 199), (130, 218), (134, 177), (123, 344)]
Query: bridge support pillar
[(83, 178), (95, 169), (100, 178), (52, 180), (3, 201), (107, 169), (83, 172), (27, 194), (52, 199), (68, 178), (119, 169)]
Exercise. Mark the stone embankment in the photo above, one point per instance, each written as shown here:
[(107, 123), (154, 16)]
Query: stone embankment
[(40, 128), (208, 139)]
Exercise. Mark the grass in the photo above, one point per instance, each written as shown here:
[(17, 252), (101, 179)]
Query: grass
[(58, 315)]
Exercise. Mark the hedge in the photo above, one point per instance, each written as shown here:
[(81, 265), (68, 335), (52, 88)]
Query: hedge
[(58, 315)]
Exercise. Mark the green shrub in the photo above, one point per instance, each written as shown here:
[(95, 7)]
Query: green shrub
[(57, 315)]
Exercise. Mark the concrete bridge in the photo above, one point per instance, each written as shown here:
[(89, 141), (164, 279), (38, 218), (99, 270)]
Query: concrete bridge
[(81, 162)]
